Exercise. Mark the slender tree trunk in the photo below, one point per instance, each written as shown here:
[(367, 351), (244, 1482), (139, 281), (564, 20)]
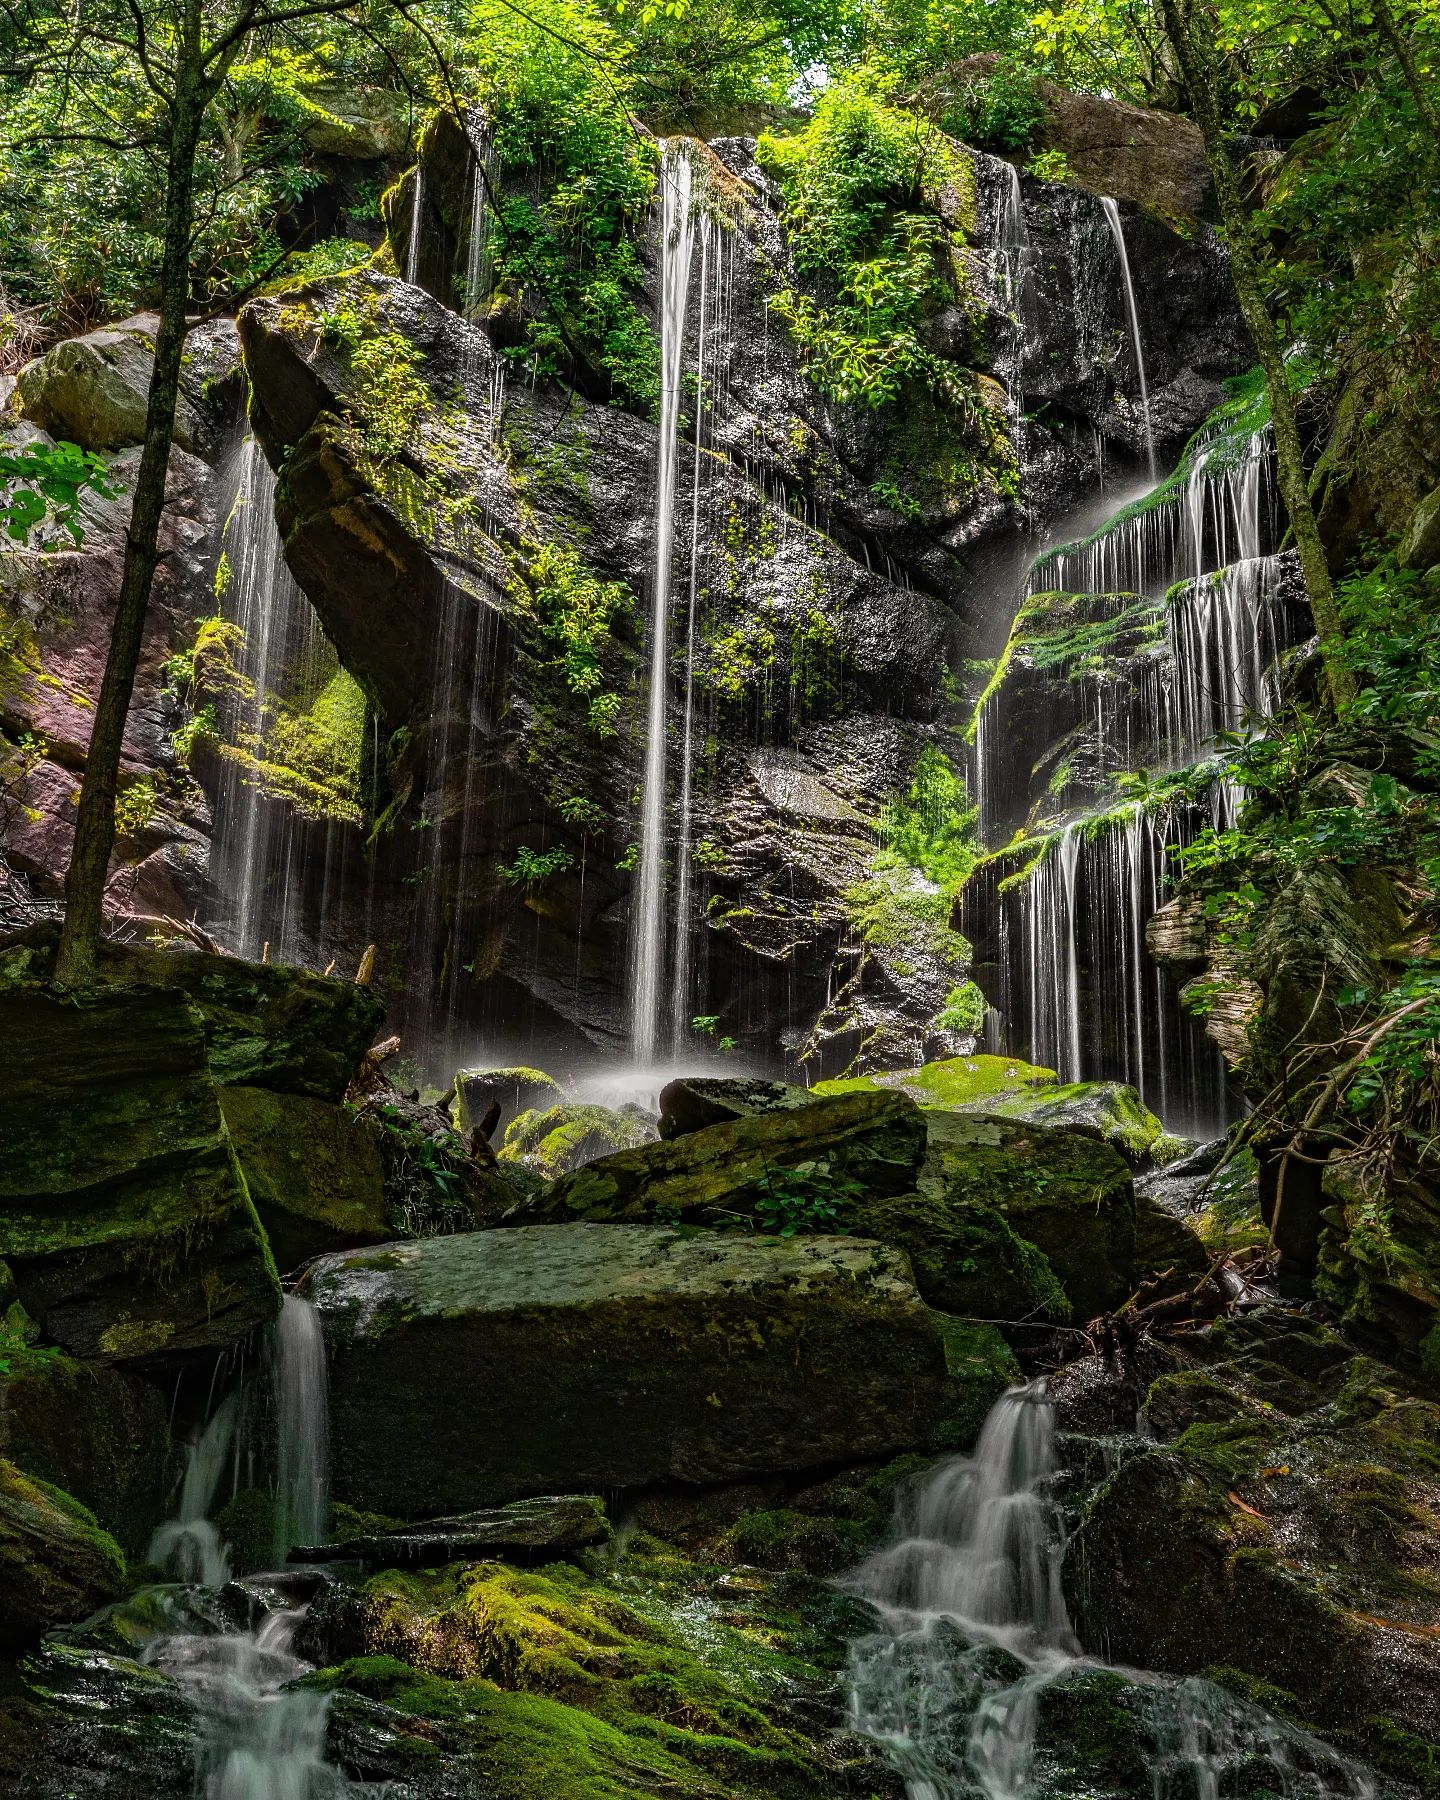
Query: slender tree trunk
[(95, 825), (1414, 80), (1198, 74)]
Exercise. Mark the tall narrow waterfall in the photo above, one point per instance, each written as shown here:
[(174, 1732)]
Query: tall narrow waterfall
[(972, 1630), (302, 1427), (1117, 231), (648, 917)]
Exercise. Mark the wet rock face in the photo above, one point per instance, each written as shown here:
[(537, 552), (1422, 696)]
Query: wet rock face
[(56, 608), (127, 1224), (826, 619), (1282, 1532), (658, 1356)]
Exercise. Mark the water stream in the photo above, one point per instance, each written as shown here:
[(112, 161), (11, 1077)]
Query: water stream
[(256, 1737), (972, 1631), (1117, 232), (648, 929)]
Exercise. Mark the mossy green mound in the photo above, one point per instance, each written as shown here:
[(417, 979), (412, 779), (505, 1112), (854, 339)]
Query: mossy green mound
[(560, 1139)]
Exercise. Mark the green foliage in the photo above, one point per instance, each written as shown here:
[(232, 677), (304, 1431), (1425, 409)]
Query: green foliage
[(862, 185), (708, 1025), (964, 1010), (932, 825), (46, 481), (531, 867), (1000, 110), (425, 1169), (391, 393), (804, 1198), (1050, 165), (576, 612)]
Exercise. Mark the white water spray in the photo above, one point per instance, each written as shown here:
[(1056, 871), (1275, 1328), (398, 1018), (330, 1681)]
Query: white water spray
[(302, 1428), (969, 1587)]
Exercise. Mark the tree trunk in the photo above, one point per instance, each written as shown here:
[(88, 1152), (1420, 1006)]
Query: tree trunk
[(1414, 80), (95, 824), (1199, 76)]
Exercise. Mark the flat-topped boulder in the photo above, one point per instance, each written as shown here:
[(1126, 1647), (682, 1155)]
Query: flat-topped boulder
[(538, 1530), (473, 1370)]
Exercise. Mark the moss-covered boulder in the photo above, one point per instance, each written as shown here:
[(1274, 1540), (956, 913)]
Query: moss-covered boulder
[(1070, 1196), (868, 1141), (560, 1139), (94, 389), (1108, 1110), (1379, 1257), (1284, 1529), (610, 1356), (513, 1090), (658, 1677), (126, 1221), (264, 1024), (313, 1169), (55, 1561), (99, 1433)]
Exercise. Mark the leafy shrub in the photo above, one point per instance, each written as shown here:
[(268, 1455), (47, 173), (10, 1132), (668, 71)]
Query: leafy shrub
[(1001, 110)]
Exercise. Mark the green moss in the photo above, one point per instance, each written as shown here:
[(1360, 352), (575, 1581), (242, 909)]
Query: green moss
[(247, 1524), (963, 1011), (786, 1539), (981, 1366)]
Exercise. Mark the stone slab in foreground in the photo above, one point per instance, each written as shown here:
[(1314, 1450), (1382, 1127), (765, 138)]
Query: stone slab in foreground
[(472, 1370)]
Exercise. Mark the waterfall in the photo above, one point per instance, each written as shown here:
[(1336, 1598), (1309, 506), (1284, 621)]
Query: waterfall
[(1011, 258), (1117, 231), (189, 1545), (648, 926), (280, 847), (256, 1737), (302, 1427), (479, 276), (417, 214), (968, 1588)]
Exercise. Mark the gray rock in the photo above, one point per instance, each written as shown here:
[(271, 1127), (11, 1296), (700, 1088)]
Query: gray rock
[(473, 1370), (695, 1101), (516, 1089), (94, 390), (1421, 548), (539, 1529)]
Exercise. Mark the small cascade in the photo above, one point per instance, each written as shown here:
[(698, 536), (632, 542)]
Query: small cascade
[(1117, 232), (1011, 259), (302, 1428), (417, 220), (479, 274), (282, 842), (649, 934), (972, 1629), (257, 1738), (189, 1545)]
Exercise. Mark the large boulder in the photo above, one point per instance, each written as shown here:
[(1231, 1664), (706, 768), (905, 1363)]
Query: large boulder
[(472, 1370), (513, 1090), (313, 1169), (1069, 1195), (126, 1221), (695, 1101), (265, 1024), (55, 1562), (1279, 1528), (869, 1141), (94, 390)]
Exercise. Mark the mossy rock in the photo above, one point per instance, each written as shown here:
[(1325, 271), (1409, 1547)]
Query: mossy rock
[(662, 1355), (56, 1564), (869, 1141), (127, 1224), (953, 1081), (967, 1258), (1070, 1196), (516, 1090), (560, 1139), (264, 1024), (100, 1434), (594, 1683), (313, 1170)]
